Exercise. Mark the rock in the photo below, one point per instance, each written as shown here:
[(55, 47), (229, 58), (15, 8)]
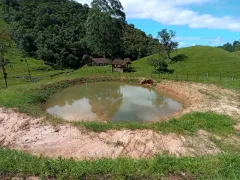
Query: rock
[(237, 127), (146, 81)]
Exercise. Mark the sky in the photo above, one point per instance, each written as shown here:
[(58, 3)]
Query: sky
[(196, 22)]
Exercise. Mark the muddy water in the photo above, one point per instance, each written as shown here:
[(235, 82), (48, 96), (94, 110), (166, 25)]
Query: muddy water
[(111, 101)]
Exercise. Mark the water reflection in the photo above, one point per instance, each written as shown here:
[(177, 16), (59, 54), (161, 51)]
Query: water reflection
[(111, 101)]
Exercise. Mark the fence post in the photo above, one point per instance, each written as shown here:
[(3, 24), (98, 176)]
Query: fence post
[(207, 75), (220, 77), (233, 77), (196, 75)]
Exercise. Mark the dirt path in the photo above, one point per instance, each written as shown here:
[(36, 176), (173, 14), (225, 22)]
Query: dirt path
[(19, 131)]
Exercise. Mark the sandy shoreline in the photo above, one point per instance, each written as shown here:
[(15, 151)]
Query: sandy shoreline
[(21, 132)]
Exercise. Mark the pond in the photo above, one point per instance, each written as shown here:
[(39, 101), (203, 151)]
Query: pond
[(111, 101)]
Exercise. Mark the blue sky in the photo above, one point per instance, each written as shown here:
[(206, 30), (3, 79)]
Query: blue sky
[(202, 22)]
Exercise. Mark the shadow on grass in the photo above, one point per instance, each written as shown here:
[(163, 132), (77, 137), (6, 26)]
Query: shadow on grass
[(179, 57), (164, 71)]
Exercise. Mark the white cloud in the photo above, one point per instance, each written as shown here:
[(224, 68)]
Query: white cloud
[(182, 44), (174, 12), (191, 41)]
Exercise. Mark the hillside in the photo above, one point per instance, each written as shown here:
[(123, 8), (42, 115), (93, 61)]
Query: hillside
[(17, 70), (57, 32), (237, 53), (199, 59)]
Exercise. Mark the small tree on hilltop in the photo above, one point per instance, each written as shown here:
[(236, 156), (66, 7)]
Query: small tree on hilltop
[(166, 41)]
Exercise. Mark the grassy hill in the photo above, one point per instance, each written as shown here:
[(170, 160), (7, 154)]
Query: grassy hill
[(199, 59), (237, 53)]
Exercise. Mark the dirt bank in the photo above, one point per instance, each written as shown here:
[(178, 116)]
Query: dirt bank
[(203, 98), (21, 132)]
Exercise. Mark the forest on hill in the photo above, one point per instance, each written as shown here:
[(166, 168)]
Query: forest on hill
[(63, 32)]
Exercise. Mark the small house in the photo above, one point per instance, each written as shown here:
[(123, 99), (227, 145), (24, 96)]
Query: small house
[(119, 65), (99, 61)]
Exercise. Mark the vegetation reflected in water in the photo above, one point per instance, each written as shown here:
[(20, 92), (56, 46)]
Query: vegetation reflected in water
[(111, 101)]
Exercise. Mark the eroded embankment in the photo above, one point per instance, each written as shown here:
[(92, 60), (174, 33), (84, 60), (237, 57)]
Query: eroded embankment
[(21, 132), (204, 98)]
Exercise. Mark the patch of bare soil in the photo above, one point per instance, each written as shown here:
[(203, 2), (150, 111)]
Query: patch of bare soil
[(18, 131), (21, 132), (19, 178), (203, 98)]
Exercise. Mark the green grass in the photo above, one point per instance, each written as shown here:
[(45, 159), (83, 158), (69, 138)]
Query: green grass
[(201, 60), (237, 53), (188, 124), (210, 167)]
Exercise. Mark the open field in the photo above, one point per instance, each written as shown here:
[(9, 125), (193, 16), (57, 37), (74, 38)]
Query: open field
[(200, 142), (203, 135)]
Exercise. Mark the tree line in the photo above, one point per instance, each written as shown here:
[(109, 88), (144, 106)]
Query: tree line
[(231, 47), (63, 32)]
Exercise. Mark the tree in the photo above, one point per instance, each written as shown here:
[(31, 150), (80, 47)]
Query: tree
[(235, 46), (5, 43), (159, 62), (4, 62), (26, 62), (137, 44), (105, 26), (61, 32), (166, 41), (52, 31)]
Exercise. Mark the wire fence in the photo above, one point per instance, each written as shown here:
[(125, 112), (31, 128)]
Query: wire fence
[(230, 79), (233, 78)]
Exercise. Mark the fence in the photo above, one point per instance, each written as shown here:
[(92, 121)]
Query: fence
[(227, 79), (206, 77)]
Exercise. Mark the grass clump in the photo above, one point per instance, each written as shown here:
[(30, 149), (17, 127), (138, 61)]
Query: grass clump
[(187, 124), (103, 127), (190, 123)]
